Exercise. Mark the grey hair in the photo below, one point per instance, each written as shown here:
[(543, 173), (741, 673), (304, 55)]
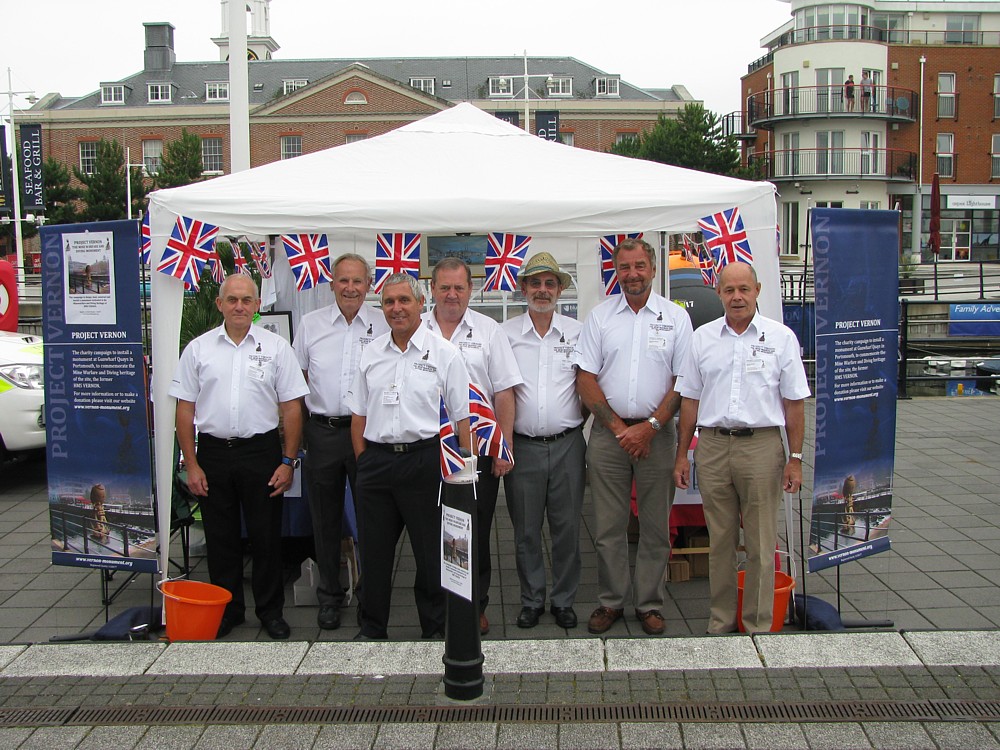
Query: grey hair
[(633, 243), (230, 277), (357, 258), (451, 263), (753, 273), (403, 278)]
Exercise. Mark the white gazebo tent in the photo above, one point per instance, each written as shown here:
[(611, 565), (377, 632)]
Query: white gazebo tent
[(460, 170)]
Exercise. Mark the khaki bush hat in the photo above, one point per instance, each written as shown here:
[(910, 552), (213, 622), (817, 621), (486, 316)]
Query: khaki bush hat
[(544, 263)]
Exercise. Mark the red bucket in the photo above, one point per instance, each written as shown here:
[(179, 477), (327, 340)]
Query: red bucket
[(193, 609), (783, 585)]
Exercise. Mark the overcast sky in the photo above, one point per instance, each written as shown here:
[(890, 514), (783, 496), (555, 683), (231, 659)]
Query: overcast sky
[(70, 46)]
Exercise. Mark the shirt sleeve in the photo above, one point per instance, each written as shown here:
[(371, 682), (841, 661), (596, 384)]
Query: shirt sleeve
[(689, 383), (289, 383), (503, 370), (357, 397), (682, 344), (588, 346), (456, 388), (793, 385), (300, 346), (185, 382)]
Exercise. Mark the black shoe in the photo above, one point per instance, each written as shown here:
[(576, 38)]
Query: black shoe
[(362, 637), (565, 616), (277, 628), (228, 623), (529, 616), (328, 617), (437, 635)]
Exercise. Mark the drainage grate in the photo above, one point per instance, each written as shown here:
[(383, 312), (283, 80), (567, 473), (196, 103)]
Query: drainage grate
[(832, 711)]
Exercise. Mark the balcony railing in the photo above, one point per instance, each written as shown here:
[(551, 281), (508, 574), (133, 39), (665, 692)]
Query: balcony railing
[(886, 102), (839, 163), (856, 32), (733, 124)]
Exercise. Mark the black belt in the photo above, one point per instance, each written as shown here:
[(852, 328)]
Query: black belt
[(405, 447), (331, 422), (631, 422), (547, 438), (235, 442), (738, 431)]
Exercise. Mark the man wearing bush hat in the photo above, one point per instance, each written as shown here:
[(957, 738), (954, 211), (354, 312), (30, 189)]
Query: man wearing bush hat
[(548, 479)]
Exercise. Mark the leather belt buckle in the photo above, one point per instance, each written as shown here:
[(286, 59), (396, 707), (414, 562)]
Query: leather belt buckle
[(400, 448)]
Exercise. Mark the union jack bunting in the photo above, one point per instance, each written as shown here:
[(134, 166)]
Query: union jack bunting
[(707, 267), (215, 266), (688, 253), (396, 252), (451, 456), (145, 240), (258, 251), (608, 275), (309, 257), (504, 256), (483, 423), (240, 260), (724, 234), (190, 246)]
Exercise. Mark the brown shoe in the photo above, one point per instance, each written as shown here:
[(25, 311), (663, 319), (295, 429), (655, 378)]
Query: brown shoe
[(652, 621), (484, 624), (603, 618)]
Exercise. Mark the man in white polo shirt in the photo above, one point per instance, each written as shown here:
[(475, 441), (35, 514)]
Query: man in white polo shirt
[(630, 350), (396, 402), (492, 367), (743, 381), (328, 346), (548, 478), (231, 384)]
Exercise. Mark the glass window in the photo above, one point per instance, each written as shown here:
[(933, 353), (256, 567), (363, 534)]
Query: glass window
[(560, 86), (607, 86), (790, 228), (152, 155), (995, 172), (830, 152), (211, 154), (356, 97), (946, 154), (996, 96), (789, 163), (291, 146), (946, 95), (88, 156), (501, 86), (424, 84), (293, 84), (961, 29), (113, 94), (567, 139), (217, 91), (355, 137), (870, 205), (159, 92), (625, 136)]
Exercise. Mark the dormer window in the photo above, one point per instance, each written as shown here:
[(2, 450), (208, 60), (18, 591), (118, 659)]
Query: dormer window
[(160, 93), (112, 93), (293, 84), (502, 86), (560, 86), (217, 91), (606, 86), (423, 84)]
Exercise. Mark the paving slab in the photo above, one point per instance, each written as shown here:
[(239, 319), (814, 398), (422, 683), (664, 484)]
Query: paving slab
[(573, 655), (230, 658), (9, 653), (84, 659), (374, 658), (846, 649), (968, 648), (722, 652)]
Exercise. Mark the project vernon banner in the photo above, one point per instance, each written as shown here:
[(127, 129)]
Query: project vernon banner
[(101, 506), (856, 271)]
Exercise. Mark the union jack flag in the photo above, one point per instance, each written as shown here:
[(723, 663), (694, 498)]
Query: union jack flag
[(258, 251), (190, 246), (240, 260), (451, 456), (608, 274), (707, 266), (689, 254), (145, 240), (396, 252), (504, 257), (483, 423), (215, 266), (309, 257), (724, 233)]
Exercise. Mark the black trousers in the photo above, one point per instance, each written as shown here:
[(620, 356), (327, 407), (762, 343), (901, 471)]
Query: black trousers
[(237, 481), (397, 491), (487, 488), (329, 464)]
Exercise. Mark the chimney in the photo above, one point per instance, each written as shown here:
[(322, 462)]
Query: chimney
[(159, 54)]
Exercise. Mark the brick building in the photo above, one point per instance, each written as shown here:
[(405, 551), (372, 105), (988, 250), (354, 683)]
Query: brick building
[(926, 99)]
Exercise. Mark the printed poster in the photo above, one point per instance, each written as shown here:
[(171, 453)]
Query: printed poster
[(456, 551), (88, 274)]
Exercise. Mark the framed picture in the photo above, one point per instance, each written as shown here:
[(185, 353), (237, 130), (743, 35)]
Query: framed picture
[(470, 247), (279, 322)]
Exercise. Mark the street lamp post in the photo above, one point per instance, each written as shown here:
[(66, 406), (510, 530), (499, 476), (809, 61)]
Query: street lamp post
[(527, 90), (16, 186)]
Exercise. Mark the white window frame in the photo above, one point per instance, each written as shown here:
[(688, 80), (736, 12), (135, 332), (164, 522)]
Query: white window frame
[(423, 83), (621, 137), (159, 93), (559, 86), (356, 98), (501, 87), (212, 158), (291, 146), (113, 94), (790, 228), (567, 138), (88, 156), (946, 96), (217, 91), (607, 86), (870, 205), (945, 159), (355, 137), (152, 155), (996, 96), (995, 170), (290, 85)]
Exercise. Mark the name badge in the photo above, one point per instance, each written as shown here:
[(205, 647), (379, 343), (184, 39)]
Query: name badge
[(566, 364), (754, 364), (255, 373), (364, 341), (390, 398), (657, 344)]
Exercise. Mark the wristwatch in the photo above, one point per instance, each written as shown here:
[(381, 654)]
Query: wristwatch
[(655, 423), (795, 455), (293, 462)]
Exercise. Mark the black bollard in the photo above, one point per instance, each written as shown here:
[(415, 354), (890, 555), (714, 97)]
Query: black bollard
[(463, 655)]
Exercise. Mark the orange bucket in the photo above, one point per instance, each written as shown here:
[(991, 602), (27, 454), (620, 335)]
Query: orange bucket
[(193, 609), (783, 585)]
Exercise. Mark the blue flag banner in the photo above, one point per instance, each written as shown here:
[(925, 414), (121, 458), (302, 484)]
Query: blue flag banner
[(855, 255), (101, 507)]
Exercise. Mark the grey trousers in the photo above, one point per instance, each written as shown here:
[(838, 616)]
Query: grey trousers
[(611, 474), (547, 483)]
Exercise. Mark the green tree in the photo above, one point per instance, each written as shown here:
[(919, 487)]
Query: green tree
[(60, 194), (181, 162), (104, 188), (693, 140)]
